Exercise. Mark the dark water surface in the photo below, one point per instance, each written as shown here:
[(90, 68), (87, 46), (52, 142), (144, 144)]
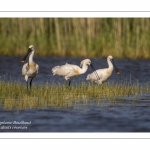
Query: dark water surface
[(122, 116)]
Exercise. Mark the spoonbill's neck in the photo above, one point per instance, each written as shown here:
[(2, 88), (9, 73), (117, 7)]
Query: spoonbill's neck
[(31, 57), (84, 68), (110, 65)]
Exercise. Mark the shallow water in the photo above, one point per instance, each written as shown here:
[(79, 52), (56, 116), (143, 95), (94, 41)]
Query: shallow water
[(124, 115)]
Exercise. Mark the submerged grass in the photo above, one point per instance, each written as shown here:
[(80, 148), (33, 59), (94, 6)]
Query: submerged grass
[(15, 95)]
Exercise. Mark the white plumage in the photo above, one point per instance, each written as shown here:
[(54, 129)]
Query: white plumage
[(69, 71), (103, 74), (30, 69)]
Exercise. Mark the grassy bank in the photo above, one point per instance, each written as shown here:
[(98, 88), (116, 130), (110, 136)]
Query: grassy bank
[(16, 96), (87, 37)]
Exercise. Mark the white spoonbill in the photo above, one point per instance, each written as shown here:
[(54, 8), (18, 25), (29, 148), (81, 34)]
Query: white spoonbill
[(104, 74), (69, 71), (30, 69)]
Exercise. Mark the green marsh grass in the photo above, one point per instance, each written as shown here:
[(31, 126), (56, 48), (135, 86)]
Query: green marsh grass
[(14, 95), (84, 37)]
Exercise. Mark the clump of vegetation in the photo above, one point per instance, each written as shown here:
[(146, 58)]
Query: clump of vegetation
[(84, 37), (14, 95)]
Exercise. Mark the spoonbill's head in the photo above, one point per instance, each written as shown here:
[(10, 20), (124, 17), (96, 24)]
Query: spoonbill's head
[(30, 50), (85, 61), (89, 63), (110, 58)]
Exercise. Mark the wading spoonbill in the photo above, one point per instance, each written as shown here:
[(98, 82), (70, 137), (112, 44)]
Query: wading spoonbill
[(103, 74), (69, 71), (30, 69)]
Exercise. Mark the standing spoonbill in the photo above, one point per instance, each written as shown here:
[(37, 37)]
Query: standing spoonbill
[(69, 71), (104, 74), (30, 69)]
